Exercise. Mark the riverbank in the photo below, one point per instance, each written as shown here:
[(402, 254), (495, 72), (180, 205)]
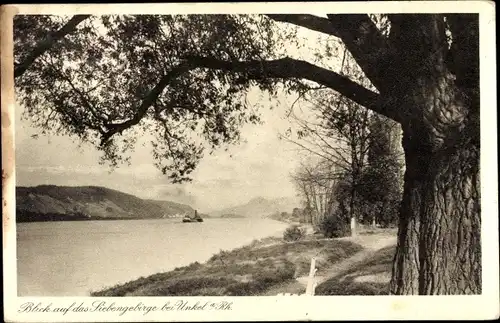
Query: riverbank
[(254, 269), (73, 258)]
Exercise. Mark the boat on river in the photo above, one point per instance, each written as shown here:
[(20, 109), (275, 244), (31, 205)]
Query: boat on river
[(189, 219)]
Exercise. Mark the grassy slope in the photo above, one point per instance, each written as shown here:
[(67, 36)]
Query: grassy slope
[(249, 270), (370, 277)]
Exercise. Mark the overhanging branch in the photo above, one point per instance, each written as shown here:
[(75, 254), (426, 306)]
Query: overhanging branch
[(47, 43), (360, 35), (366, 44), (293, 68), (147, 101), (257, 70), (311, 22)]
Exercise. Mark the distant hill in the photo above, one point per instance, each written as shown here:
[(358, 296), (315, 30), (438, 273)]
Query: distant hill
[(173, 208), (258, 207), (56, 203), (287, 217)]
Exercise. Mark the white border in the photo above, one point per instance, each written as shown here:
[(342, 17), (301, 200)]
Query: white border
[(278, 308)]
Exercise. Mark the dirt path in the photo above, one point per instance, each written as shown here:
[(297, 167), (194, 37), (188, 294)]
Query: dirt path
[(370, 244)]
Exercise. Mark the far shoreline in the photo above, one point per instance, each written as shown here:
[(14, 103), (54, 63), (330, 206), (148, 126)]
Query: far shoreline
[(139, 218)]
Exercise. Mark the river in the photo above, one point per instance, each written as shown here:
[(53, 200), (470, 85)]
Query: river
[(76, 257)]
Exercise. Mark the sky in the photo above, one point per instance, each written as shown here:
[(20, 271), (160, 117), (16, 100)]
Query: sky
[(260, 166)]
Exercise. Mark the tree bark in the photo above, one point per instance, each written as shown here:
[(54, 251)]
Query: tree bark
[(439, 245), (451, 224)]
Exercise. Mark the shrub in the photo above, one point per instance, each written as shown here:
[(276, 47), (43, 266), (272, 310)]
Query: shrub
[(294, 233), (335, 227)]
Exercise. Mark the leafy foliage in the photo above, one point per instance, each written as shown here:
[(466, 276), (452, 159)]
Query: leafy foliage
[(294, 233), (382, 181), (339, 135), (335, 225), (116, 77), (358, 171)]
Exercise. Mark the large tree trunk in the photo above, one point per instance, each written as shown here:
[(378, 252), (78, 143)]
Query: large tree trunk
[(439, 245)]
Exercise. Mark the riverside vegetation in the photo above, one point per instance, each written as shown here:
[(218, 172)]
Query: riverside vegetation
[(249, 270), (264, 267)]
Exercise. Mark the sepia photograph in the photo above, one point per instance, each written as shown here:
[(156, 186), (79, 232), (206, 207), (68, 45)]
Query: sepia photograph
[(238, 153)]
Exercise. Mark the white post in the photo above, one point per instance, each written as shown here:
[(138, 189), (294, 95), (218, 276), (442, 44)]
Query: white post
[(353, 226), (311, 284)]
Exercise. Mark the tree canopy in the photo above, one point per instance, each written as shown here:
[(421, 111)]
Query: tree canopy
[(106, 79), (116, 76)]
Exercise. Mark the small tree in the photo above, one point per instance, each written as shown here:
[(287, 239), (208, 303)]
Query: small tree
[(298, 215), (294, 233), (335, 225), (382, 180)]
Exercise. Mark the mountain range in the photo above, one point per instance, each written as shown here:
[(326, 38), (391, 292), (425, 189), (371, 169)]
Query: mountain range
[(65, 203), (258, 207), (51, 202)]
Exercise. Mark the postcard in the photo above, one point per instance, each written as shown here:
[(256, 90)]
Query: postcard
[(264, 161)]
